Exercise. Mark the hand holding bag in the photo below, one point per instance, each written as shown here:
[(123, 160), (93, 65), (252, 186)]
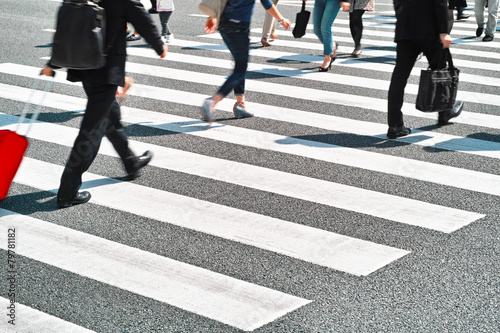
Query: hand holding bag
[(301, 22), (437, 90)]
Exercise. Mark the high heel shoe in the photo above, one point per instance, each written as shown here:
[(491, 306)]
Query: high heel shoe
[(239, 111), (323, 69), (265, 42), (357, 51), (332, 59)]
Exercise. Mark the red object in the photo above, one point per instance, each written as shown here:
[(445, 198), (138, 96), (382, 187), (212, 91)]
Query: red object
[(12, 148)]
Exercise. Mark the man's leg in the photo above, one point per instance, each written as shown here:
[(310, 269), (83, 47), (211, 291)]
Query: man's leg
[(479, 13), (406, 54), (491, 23), (93, 128)]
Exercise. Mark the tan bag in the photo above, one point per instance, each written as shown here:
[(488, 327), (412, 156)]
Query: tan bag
[(213, 8)]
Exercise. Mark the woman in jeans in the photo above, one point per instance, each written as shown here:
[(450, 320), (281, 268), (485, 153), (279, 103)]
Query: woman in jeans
[(234, 27), (324, 13)]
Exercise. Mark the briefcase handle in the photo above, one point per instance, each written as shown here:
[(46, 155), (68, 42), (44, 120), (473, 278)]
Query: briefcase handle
[(27, 105), (446, 56)]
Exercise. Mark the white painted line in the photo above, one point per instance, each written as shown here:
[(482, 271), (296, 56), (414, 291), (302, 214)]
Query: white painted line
[(403, 210), (436, 140), (313, 245), (318, 48), (421, 170), (29, 320), (308, 93), (233, 302), (347, 44), (352, 63), (389, 24)]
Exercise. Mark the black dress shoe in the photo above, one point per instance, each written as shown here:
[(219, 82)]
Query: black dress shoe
[(81, 197), (397, 132), (463, 17), (445, 116), (479, 31), (487, 38), (140, 162)]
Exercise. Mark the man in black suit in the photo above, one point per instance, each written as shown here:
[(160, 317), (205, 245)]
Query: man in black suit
[(102, 114), (421, 26)]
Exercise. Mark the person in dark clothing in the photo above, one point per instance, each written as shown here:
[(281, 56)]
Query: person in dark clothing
[(102, 113), (421, 26), (154, 7), (459, 5)]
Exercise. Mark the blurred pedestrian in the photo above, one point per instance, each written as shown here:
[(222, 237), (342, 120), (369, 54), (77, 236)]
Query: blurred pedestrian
[(491, 23), (234, 27), (102, 113), (165, 9)]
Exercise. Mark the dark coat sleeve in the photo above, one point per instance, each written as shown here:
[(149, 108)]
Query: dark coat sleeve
[(441, 7), (142, 22)]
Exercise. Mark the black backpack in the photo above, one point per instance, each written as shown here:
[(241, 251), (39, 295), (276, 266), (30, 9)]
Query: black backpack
[(79, 40)]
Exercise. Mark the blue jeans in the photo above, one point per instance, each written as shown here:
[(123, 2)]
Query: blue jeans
[(237, 38), (325, 12)]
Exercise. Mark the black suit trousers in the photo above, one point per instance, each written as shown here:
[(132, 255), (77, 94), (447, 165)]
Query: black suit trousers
[(406, 55), (102, 117)]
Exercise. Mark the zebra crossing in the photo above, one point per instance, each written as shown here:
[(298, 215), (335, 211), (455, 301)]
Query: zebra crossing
[(225, 298)]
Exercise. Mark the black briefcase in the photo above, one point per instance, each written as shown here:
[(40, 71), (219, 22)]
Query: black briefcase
[(301, 22), (79, 38), (437, 90)]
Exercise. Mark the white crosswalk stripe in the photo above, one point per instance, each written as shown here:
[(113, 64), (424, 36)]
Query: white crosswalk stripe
[(241, 304)]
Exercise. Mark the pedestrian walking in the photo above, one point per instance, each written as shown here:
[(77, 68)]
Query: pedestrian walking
[(102, 113), (165, 9), (491, 22), (356, 11), (234, 27), (324, 14), (421, 26), (269, 28)]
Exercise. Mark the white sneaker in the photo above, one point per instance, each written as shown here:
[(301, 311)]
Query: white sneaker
[(170, 38), (207, 110), (164, 39)]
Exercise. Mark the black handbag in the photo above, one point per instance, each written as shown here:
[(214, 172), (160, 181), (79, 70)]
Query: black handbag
[(79, 38), (437, 90), (301, 22)]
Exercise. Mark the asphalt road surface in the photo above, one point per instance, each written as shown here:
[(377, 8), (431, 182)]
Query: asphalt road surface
[(304, 218)]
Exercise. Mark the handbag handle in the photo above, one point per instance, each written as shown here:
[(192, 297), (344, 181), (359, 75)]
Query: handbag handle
[(447, 59), (303, 6), (27, 105)]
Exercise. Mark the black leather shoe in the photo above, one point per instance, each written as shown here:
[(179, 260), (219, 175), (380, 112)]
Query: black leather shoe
[(397, 132), (445, 116), (140, 162), (81, 197), (479, 31), (487, 38), (462, 17)]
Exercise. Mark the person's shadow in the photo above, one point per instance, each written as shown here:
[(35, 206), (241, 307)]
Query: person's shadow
[(342, 140)]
